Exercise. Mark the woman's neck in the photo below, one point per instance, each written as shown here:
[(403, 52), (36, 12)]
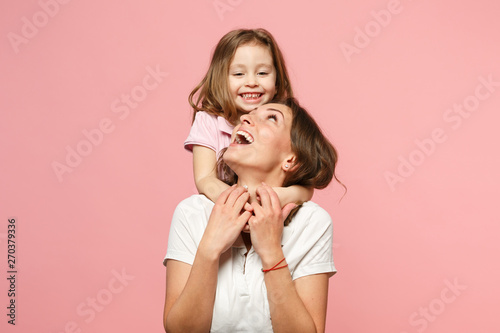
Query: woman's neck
[(252, 186)]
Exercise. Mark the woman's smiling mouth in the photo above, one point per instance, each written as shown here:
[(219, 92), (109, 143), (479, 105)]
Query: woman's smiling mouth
[(243, 138)]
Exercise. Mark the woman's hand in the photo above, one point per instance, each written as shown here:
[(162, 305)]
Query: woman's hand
[(226, 221), (266, 226)]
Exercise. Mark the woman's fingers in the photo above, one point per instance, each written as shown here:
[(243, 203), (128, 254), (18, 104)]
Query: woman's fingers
[(244, 218), (265, 200), (235, 195), (275, 200), (241, 201), (268, 197), (257, 208), (235, 199), (248, 207), (227, 219), (224, 195), (266, 226)]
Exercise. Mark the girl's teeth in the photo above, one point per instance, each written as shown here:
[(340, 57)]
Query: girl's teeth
[(251, 95)]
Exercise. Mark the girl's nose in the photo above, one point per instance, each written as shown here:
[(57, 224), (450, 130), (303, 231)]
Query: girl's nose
[(251, 81)]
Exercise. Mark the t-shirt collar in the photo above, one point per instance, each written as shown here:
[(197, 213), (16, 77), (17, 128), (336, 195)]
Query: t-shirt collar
[(287, 233)]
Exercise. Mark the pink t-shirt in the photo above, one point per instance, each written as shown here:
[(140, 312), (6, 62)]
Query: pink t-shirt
[(209, 131)]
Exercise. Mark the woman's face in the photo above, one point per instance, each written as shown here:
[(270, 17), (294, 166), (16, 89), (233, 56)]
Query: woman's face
[(262, 139)]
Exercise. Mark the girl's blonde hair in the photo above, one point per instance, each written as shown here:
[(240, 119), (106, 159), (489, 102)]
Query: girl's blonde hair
[(212, 92)]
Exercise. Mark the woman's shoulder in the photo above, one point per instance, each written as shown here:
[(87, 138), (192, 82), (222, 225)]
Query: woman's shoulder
[(312, 215), (196, 202), (313, 208), (192, 213)]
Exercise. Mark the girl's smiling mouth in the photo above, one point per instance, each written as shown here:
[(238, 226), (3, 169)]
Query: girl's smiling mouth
[(251, 96)]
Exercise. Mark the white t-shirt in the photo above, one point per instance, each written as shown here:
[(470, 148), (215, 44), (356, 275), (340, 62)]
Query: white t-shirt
[(241, 303)]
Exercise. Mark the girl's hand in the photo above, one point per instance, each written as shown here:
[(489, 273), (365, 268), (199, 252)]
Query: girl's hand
[(226, 221), (266, 226)]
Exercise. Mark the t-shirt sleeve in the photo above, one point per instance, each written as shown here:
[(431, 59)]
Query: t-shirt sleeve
[(203, 132), (316, 245), (182, 244)]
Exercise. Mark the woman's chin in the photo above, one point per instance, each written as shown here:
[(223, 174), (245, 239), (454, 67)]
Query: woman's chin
[(246, 228)]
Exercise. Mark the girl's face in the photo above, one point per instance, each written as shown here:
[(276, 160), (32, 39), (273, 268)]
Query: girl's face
[(252, 77)]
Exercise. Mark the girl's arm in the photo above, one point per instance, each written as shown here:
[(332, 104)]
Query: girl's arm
[(295, 193), (205, 173), (190, 290), (296, 306)]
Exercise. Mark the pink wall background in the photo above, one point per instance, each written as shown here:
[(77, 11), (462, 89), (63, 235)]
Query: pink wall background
[(400, 87)]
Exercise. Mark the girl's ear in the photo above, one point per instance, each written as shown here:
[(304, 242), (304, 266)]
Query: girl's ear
[(289, 164)]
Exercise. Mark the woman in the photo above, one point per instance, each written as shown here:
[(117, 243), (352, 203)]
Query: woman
[(233, 266)]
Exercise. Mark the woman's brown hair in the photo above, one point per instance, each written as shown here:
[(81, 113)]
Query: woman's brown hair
[(212, 93), (315, 156)]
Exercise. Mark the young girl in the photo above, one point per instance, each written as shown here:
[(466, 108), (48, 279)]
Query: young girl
[(247, 70)]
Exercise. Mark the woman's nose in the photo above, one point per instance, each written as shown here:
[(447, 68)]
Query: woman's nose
[(246, 119)]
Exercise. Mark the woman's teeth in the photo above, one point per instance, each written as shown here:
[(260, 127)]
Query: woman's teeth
[(243, 137)]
